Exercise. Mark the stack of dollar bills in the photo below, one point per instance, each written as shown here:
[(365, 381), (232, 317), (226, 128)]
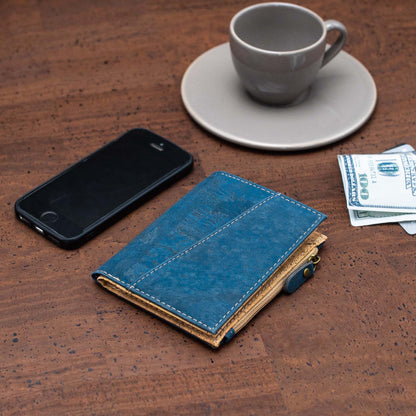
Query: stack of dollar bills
[(381, 188)]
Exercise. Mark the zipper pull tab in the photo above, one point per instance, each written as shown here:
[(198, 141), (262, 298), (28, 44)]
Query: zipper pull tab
[(300, 275)]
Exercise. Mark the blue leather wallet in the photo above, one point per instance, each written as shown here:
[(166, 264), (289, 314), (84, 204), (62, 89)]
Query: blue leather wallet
[(220, 254)]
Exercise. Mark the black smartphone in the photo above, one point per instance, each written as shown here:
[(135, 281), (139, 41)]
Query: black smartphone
[(77, 204)]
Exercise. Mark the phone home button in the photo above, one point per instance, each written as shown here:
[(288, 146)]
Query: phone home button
[(49, 217)]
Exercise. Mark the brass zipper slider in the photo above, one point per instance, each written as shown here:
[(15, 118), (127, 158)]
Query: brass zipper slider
[(315, 260)]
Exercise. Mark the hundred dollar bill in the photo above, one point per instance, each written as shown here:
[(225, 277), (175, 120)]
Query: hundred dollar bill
[(407, 221), (382, 182)]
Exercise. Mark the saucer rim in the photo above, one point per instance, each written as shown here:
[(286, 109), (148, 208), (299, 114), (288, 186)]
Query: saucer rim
[(326, 140)]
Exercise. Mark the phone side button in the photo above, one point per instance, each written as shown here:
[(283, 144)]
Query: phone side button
[(39, 230), (23, 219)]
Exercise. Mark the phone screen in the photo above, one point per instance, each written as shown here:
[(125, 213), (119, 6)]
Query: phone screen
[(105, 181)]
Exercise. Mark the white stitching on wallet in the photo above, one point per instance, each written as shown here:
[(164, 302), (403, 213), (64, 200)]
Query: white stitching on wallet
[(201, 241), (274, 195)]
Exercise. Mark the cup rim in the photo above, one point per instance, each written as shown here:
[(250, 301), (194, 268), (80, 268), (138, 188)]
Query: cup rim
[(268, 51)]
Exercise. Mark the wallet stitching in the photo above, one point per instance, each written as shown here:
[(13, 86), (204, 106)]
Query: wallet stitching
[(274, 195), (254, 185), (182, 253), (268, 271)]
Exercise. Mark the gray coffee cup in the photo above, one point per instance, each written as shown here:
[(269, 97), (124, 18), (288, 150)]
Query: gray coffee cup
[(278, 48)]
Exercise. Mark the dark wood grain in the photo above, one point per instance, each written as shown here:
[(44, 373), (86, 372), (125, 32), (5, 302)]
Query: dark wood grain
[(76, 74)]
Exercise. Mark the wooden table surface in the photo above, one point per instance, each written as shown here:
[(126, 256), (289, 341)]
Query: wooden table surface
[(75, 75)]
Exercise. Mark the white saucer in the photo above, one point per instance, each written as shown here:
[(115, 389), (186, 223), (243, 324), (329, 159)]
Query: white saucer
[(339, 102)]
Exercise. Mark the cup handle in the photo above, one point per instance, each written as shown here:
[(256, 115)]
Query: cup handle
[(338, 44)]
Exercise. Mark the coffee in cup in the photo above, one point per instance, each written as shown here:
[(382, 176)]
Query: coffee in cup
[(278, 48)]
